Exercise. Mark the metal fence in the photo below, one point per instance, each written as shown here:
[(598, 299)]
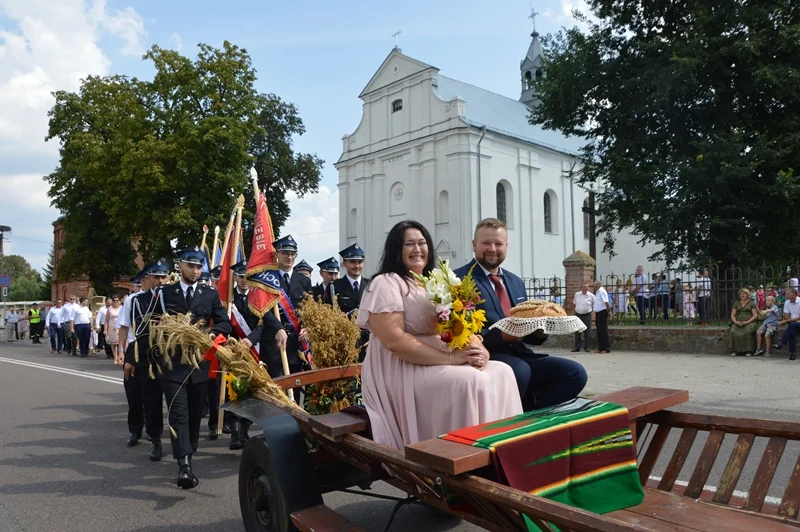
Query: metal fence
[(546, 288), (682, 297)]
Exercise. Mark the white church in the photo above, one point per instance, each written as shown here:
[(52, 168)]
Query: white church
[(447, 154)]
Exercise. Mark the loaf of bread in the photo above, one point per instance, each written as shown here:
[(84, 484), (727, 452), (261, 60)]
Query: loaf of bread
[(536, 308)]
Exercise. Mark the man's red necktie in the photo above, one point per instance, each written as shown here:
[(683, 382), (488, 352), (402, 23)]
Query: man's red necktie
[(502, 295)]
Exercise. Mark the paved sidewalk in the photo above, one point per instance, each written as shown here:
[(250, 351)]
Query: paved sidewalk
[(717, 384)]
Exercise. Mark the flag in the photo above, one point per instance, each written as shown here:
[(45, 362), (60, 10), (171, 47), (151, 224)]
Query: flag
[(262, 273), (217, 254), (224, 286), (262, 268)]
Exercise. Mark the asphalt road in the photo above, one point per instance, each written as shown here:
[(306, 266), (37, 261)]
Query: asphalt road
[(64, 464)]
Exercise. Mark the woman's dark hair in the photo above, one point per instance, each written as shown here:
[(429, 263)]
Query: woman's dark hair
[(392, 258)]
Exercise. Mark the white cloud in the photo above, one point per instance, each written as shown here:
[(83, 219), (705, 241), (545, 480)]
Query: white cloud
[(51, 45), (314, 224), (563, 16), (177, 42)]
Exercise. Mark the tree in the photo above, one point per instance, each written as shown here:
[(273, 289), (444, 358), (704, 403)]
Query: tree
[(47, 279), (18, 268), (150, 162), (692, 120), (26, 289)]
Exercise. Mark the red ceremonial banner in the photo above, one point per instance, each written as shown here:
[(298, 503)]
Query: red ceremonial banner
[(224, 286), (264, 294)]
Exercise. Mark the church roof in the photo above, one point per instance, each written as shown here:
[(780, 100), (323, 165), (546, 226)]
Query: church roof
[(503, 115)]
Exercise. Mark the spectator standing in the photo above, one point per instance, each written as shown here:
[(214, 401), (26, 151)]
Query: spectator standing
[(703, 295), (584, 304), (688, 304), (641, 292), (602, 314), (22, 325), (621, 296), (11, 324), (100, 327)]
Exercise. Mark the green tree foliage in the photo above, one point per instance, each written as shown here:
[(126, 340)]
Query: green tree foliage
[(47, 275), (691, 115), (151, 162), (27, 284)]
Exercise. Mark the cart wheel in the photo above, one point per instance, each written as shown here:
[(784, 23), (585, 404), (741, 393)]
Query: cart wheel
[(260, 495)]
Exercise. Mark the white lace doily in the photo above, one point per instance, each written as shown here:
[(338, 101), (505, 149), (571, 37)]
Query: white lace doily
[(550, 325)]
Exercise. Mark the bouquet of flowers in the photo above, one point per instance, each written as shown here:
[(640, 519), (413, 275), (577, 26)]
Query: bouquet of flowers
[(455, 301)]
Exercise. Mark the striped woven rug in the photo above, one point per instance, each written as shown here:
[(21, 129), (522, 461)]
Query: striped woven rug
[(578, 453)]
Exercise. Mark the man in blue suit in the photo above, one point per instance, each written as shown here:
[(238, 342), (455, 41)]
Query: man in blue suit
[(543, 380)]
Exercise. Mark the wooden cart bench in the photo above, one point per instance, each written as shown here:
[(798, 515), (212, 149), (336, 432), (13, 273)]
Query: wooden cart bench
[(437, 472)]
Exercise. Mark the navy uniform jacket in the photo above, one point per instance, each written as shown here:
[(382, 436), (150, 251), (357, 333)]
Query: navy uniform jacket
[(323, 294), (205, 307), (349, 301), (264, 334), (347, 298), (299, 285), (494, 312)]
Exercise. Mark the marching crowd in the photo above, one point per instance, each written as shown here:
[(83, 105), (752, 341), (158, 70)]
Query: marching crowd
[(495, 376)]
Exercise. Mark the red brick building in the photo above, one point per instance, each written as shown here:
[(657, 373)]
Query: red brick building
[(78, 286)]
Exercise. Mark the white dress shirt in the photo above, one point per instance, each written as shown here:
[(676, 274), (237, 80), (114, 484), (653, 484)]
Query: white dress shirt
[(101, 317), (791, 310), (353, 281), (124, 318), (82, 316), (66, 313), (185, 287), (584, 303), (600, 300), (54, 316)]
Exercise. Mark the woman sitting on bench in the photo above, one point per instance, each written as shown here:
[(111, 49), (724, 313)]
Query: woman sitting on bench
[(413, 387)]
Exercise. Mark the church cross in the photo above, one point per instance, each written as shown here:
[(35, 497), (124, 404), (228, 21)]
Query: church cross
[(395, 34), (532, 16)]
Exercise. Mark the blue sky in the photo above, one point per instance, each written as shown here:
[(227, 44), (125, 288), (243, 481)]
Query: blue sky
[(318, 55)]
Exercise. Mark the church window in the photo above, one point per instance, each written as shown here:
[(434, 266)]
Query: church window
[(397, 105), (586, 221), (548, 214), (502, 212), (539, 73), (528, 80), (444, 207)]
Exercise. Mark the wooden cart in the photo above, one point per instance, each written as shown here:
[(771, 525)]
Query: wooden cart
[(284, 473)]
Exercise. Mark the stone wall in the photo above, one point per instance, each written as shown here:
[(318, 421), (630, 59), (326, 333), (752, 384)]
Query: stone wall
[(679, 339)]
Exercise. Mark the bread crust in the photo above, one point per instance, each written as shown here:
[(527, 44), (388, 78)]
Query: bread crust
[(537, 308)]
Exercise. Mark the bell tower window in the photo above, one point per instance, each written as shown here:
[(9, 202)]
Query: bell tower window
[(397, 105)]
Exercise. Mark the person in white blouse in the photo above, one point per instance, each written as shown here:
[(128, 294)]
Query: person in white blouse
[(602, 315), (81, 325)]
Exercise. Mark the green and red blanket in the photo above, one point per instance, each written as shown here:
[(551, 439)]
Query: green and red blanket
[(578, 453)]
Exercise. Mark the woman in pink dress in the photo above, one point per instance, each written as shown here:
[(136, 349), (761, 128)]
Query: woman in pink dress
[(414, 388)]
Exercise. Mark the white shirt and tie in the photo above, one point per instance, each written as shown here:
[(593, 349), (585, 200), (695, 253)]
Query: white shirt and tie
[(189, 290), (355, 283)]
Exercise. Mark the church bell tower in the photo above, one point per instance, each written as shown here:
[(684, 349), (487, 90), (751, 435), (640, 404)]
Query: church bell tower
[(531, 67)]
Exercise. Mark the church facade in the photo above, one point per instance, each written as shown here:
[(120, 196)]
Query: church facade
[(447, 154)]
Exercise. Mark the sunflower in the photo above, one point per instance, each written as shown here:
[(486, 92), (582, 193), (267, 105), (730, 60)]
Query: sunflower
[(460, 330), (458, 306)]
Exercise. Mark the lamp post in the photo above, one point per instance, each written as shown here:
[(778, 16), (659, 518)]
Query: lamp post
[(3, 230)]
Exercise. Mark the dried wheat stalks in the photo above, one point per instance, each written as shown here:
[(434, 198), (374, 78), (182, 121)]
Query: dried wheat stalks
[(173, 332)]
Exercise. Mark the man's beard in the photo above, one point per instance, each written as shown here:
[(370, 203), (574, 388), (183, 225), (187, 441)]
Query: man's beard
[(492, 262)]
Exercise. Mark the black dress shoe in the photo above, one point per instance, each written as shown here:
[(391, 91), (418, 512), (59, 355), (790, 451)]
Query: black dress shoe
[(155, 452), (236, 442), (186, 478), (226, 428), (133, 439), (212, 433)]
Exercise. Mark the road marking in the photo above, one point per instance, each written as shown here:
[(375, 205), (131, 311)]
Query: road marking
[(713, 489), (77, 373)]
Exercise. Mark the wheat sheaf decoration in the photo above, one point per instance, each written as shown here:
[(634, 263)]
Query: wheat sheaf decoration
[(176, 332), (334, 342)]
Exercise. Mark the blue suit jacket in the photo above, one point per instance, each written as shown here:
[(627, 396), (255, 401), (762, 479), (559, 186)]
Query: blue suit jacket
[(494, 312)]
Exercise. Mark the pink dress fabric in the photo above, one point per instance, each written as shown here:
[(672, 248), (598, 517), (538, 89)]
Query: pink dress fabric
[(408, 402)]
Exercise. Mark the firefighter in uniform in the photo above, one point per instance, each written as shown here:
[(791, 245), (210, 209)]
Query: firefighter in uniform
[(350, 288), (329, 271)]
